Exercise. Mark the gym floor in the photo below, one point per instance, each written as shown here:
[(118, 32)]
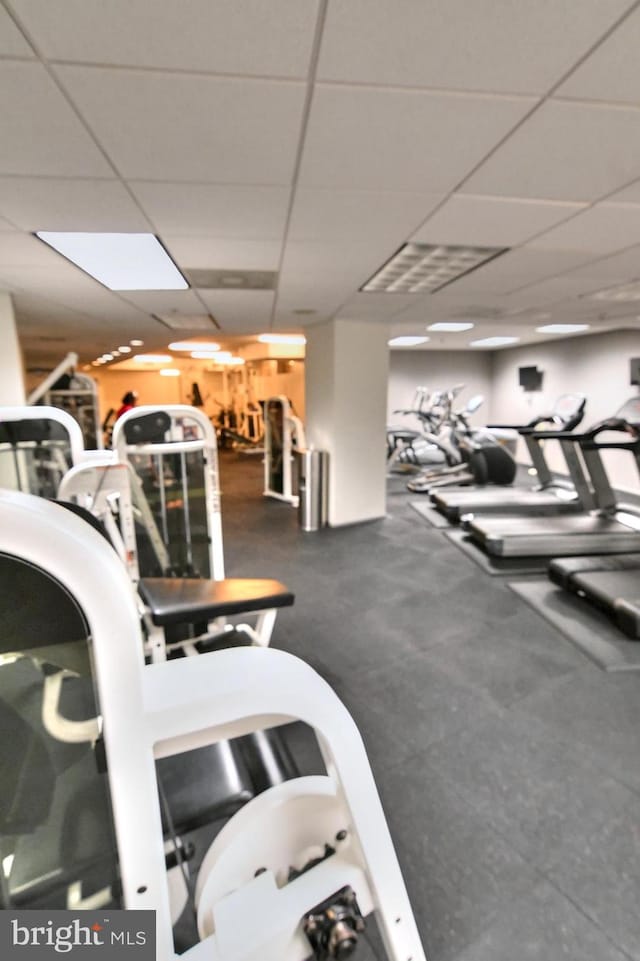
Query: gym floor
[(508, 763)]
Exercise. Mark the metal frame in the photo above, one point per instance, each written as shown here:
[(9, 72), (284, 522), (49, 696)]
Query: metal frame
[(205, 443), (291, 427), (165, 709)]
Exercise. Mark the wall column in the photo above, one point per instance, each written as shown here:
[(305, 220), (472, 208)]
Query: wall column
[(346, 374), (12, 392)]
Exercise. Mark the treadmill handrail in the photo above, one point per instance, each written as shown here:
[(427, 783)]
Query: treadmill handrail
[(611, 423)]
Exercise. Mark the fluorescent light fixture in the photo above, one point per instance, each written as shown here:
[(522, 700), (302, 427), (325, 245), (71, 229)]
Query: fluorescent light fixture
[(211, 354), (153, 358), (107, 356), (407, 341), (282, 339), (124, 350), (624, 293), (452, 327), (494, 341), (424, 268), (193, 345), (119, 261), (169, 372), (137, 343), (115, 353), (562, 328)]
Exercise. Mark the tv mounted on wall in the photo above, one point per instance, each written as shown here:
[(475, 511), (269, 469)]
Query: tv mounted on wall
[(530, 378)]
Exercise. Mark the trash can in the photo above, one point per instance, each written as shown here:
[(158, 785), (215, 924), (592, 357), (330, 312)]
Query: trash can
[(312, 476)]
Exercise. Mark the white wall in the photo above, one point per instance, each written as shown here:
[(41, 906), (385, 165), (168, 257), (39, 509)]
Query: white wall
[(597, 366), (12, 390), (346, 373), (437, 370)]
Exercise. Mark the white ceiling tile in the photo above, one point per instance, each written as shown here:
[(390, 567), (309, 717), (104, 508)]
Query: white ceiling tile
[(378, 305), (508, 46), (241, 213), (214, 36), (555, 289), (621, 267), (23, 250), (628, 195), (240, 311), (611, 72), (41, 135), (491, 221), (565, 151), (36, 203), (375, 139), (12, 42), (159, 126), (164, 301), (211, 252), (515, 268), (602, 229), (343, 215), (5, 226)]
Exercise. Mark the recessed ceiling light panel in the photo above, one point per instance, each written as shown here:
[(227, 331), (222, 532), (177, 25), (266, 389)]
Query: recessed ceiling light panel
[(562, 328), (282, 339), (153, 358), (169, 372), (407, 341), (119, 261), (452, 327), (193, 345), (494, 342), (423, 268)]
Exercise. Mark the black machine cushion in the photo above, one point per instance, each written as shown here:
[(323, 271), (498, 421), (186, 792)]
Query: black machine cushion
[(190, 600), (618, 592), (203, 785), (563, 570), (147, 429)]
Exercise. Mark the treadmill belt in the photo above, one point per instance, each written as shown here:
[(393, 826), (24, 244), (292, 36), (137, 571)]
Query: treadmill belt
[(554, 536), (617, 592)]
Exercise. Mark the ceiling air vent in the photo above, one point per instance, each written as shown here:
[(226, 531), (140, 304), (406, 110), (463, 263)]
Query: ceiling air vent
[(425, 268), (232, 279), (177, 321)]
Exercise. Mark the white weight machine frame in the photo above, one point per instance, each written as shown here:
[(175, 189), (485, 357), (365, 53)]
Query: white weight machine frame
[(292, 427), (205, 444), (245, 911)]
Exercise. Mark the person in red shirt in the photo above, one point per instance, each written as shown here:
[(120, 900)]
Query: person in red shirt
[(128, 401)]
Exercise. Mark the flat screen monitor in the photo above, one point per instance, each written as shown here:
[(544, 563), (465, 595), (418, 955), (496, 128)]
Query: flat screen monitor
[(634, 364), (530, 378)]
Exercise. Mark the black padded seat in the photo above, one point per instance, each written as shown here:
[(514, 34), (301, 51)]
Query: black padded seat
[(192, 600), (203, 785), (617, 592), (562, 570)]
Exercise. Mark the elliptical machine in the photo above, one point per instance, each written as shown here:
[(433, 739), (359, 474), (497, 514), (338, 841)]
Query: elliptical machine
[(474, 456)]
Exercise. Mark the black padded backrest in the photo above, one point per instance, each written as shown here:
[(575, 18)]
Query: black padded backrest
[(568, 410), (22, 431), (35, 610), (147, 429), (630, 411)]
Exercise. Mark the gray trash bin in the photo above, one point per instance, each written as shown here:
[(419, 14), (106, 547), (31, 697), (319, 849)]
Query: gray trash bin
[(312, 476)]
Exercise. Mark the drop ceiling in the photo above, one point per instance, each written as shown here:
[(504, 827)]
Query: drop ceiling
[(313, 138)]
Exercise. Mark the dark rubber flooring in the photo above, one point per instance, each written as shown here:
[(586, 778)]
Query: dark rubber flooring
[(508, 763)]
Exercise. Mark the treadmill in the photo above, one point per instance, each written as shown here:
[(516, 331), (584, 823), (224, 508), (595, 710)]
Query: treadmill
[(611, 528), (610, 582), (551, 495)]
